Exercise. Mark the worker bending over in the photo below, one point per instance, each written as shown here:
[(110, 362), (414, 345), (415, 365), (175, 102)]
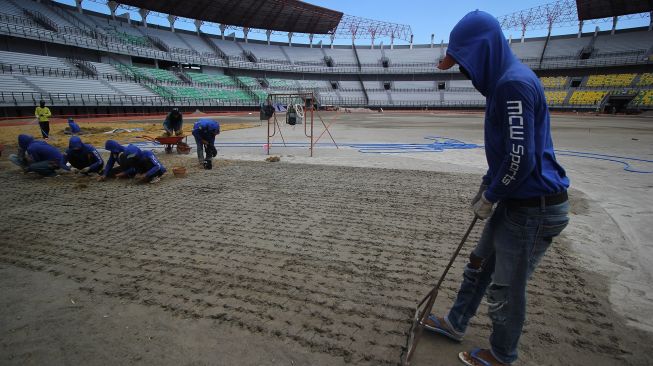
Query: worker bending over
[(174, 123), (117, 155), (38, 157), (204, 132), (145, 165), (83, 157)]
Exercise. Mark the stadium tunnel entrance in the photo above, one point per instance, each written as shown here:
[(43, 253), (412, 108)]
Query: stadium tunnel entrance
[(618, 103)]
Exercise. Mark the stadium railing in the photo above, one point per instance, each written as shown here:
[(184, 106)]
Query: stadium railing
[(73, 99)]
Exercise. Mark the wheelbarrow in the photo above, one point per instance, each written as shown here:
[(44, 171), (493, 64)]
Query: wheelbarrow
[(182, 147)]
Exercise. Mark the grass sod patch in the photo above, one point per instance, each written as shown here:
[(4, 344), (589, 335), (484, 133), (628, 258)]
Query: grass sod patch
[(96, 132)]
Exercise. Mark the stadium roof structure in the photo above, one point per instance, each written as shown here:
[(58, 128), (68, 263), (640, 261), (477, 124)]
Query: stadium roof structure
[(281, 15), (564, 13), (275, 16), (597, 9)]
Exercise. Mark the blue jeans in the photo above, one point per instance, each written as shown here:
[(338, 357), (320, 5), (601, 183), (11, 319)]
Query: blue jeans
[(201, 148), (511, 245), (43, 168)]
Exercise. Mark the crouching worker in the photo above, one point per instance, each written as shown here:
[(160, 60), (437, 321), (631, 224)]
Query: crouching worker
[(73, 126), (147, 167), (204, 132), (84, 158), (38, 157), (123, 170), (174, 123)]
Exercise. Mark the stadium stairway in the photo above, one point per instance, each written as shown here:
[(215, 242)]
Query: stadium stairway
[(242, 84), (184, 41), (367, 97), (290, 61), (30, 84), (155, 41), (214, 47), (108, 85)]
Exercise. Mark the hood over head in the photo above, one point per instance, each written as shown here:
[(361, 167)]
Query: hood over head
[(132, 151), (24, 141), (75, 143), (113, 146), (478, 45)]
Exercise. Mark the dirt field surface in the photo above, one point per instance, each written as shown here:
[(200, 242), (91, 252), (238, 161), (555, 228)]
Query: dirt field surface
[(96, 133), (257, 263)]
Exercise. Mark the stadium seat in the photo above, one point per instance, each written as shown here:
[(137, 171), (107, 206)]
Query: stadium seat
[(554, 82), (223, 80), (645, 79), (610, 80), (248, 81), (555, 97), (587, 97), (643, 99)]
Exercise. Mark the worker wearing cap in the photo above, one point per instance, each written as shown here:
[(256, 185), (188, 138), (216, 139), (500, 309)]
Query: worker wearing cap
[(523, 196), (43, 115), (84, 158), (174, 123), (204, 132)]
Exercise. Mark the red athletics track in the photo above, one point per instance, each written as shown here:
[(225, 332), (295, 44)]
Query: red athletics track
[(110, 118)]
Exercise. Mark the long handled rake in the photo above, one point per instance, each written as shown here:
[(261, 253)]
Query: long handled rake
[(420, 316)]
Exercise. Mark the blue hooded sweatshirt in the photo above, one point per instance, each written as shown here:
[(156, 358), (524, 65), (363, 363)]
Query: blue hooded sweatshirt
[(82, 155), (518, 144), (206, 129), (41, 151), (145, 162), (115, 149), (74, 127), (24, 141)]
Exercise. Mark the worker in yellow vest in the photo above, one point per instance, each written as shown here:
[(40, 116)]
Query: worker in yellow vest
[(43, 114)]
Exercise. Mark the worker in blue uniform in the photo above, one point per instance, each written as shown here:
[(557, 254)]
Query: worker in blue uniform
[(116, 156), (174, 123), (147, 168), (204, 132), (523, 196), (38, 157), (84, 158)]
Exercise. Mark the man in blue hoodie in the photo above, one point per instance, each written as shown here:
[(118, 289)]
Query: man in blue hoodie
[(204, 132), (83, 157), (38, 157), (123, 170), (523, 195), (146, 166)]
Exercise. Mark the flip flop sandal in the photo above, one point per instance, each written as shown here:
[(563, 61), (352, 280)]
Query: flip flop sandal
[(441, 329), (476, 359)]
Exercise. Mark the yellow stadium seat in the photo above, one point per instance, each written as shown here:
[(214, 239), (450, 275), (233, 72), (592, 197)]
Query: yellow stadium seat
[(555, 97), (643, 98), (587, 97), (611, 80), (645, 79), (554, 81)]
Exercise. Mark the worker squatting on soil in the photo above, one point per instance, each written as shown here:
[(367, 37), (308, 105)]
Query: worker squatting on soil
[(38, 157), (204, 131), (84, 158), (144, 164), (132, 163), (523, 195), (174, 123), (43, 115)]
